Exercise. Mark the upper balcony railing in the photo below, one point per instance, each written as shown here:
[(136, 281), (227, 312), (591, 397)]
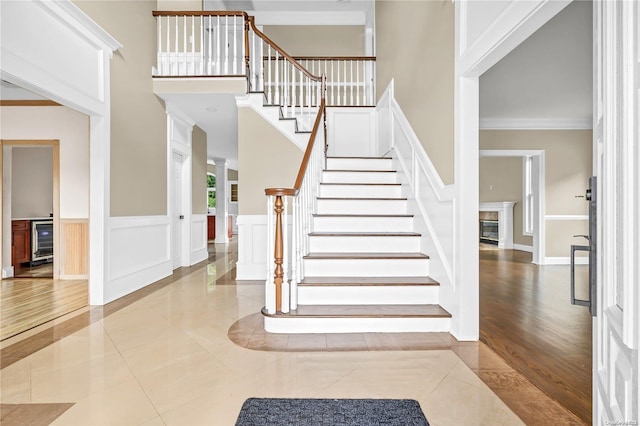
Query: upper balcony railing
[(228, 44)]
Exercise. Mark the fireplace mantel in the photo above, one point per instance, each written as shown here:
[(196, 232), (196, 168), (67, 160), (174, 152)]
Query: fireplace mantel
[(505, 221)]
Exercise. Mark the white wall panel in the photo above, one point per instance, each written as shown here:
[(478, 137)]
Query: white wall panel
[(351, 132), (198, 238), (139, 254), (252, 246)]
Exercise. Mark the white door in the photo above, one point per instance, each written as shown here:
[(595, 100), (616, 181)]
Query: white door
[(177, 215), (617, 161)]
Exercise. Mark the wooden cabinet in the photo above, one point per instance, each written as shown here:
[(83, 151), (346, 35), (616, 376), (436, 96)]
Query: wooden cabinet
[(211, 227), (20, 242)]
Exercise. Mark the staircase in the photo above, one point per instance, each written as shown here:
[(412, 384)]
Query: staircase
[(364, 271)]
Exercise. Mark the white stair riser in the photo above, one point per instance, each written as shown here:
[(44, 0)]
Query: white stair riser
[(366, 267), (350, 191), (359, 177), (356, 325), (364, 244), (368, 295), (362, 224), (346, 206), (359, 164)]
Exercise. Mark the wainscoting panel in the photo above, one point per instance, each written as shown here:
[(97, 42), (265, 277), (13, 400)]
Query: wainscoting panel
[(74, 249), (140, 253), (252, 246), (198, 238), (350, 132)]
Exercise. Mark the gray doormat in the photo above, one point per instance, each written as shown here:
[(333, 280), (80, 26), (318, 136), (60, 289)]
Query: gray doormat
[(331, 412)]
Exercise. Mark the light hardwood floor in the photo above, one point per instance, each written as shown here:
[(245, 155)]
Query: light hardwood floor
[(29, 302)]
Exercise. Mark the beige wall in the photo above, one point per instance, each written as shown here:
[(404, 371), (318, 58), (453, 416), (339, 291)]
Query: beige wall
[(501, 180), (179, 5), (318, 40), (31, 182), (138, 119), (199, 171), (71, 128), (415, 47), (568, 165), (266, 158)]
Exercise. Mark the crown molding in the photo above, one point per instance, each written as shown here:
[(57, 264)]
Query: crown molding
[(535, 124)]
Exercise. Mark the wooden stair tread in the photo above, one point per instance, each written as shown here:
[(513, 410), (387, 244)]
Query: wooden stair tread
[(368, 281), (359, 184), (364, 198), (365, 311), (361, 171), (366, 256), (364, 234), (359, 158), (361, 215)]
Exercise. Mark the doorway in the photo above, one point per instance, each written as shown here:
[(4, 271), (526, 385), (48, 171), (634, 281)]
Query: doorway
[(30, 208)]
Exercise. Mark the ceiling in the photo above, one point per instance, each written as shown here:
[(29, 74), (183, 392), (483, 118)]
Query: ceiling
[(546, 82), (543, 83)]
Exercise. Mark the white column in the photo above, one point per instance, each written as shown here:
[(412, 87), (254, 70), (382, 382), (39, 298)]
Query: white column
[(222, 202)]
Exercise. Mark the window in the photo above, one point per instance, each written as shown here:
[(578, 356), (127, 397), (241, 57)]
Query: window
[(527, 196), (211, 191)]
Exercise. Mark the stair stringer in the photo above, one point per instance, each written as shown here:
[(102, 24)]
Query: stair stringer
[(428, 199), (273, 115)]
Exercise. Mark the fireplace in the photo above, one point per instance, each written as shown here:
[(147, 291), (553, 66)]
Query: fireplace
[(489, 231)]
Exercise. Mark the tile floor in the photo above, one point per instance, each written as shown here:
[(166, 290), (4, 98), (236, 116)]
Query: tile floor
[(167, 359)]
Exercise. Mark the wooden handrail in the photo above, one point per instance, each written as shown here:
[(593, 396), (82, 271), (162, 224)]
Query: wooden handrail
[(200, 13), (324, 58), (307, 153), (281, 51), (335, 58)]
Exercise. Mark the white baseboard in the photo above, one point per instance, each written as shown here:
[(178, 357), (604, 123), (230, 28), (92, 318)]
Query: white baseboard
[(582, 260), (523, 247), (7, 272)]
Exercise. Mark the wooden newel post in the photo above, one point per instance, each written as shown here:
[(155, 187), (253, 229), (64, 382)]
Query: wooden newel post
[(278, 253), (278, 250), (247, 54)]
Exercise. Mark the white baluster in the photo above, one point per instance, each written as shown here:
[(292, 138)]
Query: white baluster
[(210, 56), (270, 291), (254, 55), (286, 86), (176, 57), (358, 82), (218, 40), (185, 63), (193, 45), (243, 47), (344, 83), (285, 256), (168, 53), (226, 45), (351, 81), (295, 255), (201, 67), (235, 53), (277, 80), (294, 95), (159, 57), (269, 62)]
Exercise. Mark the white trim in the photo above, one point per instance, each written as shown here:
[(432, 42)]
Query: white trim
[(472, 58), (539, 172), (7, 272), (295, 325), (523, 247), (505, 221), (566, 217), (535, 124), (580, 260)]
